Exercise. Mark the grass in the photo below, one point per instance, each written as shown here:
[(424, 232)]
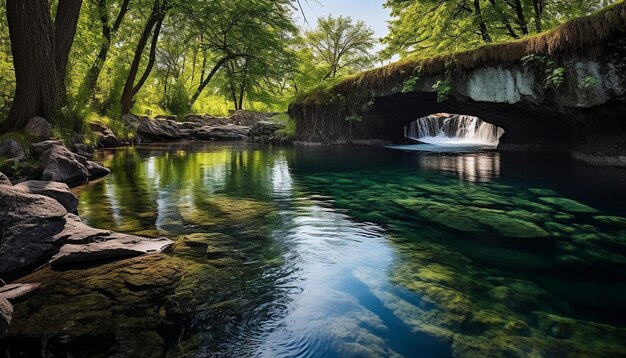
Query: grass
[(579, 37), (289, 130)]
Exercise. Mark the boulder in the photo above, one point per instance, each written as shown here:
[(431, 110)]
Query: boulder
[(59, 164), (247, 118), (11, 149), (264, 128), (16, 291), (39, 128), (4, 180), (222, 133), (55, 190), (6, 312), (166, 116), (96, 170), (30, 224), (106, 138), (83, 150), (37, 149), (161, 130), (132, 121), (205, 120), (118, 246)]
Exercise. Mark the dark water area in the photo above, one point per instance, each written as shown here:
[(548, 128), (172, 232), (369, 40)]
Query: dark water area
[(342, 252)]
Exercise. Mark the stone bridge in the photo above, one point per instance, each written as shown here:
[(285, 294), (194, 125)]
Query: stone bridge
[(581, 110)]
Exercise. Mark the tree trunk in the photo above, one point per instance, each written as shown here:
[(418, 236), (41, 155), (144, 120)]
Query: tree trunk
[(484, 32), (65, 24), (130, 89), (538, 6), (206, 81), (505, 20), (90, 81), (32, 45), (521, 18)]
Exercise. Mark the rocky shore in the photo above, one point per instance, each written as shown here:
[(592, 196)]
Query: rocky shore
[(39, 224), (40, 228)]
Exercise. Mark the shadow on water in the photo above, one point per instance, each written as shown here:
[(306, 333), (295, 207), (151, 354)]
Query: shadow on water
[(342, 251)]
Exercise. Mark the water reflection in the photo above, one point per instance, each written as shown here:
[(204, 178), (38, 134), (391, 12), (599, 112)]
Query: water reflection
[(339, 252), (476, 167)]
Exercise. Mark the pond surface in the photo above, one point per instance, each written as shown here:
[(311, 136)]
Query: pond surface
[(342, 252)]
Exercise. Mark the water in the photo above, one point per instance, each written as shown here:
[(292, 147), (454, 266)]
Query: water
[(445, 130), (342, 252)]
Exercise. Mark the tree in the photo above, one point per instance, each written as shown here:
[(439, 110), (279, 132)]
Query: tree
[(151, 32), (341, 45), (108, 30), (40, 49), (429, 27)]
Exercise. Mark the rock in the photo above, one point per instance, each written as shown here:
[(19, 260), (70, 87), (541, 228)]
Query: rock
[(17, 290), (11, 149), (161, 130), (224, 133), (39, 128), (96, 170), (165, 116), (29, 223), (132, 121), (205, 120), (247, 118), (4, 180), (106, 138), (264, 128), (6, 312), (37, 149), (83, 150), (118, 246), (55, 190), (59, 164)]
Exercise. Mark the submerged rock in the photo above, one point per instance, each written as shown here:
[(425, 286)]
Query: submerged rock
[(58, 191), (116, 247), (39, 128)]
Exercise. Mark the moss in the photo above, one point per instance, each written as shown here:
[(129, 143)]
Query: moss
[(568, 205)]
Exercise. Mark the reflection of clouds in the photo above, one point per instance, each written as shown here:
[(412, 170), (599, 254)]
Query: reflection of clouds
[(481, 167), (281, 178), (327, 317)]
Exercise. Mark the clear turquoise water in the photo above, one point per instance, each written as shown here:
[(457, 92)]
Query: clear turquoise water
[(356, 251)]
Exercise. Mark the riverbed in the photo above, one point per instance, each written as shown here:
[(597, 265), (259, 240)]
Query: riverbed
[(341, 252)]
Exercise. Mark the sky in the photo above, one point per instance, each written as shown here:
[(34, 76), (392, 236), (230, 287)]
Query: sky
[(370, 11)]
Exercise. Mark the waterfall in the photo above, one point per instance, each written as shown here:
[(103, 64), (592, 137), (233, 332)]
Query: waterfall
[(452, 129)]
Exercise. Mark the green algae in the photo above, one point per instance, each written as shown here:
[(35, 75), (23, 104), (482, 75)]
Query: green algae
[(568, 205)]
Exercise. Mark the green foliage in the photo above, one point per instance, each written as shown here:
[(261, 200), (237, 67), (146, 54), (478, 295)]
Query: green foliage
[(177, 99), (355, 118), (556, 78), (409, 84), (289, 130), (443, 89), (430, 27), (588, 82)]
